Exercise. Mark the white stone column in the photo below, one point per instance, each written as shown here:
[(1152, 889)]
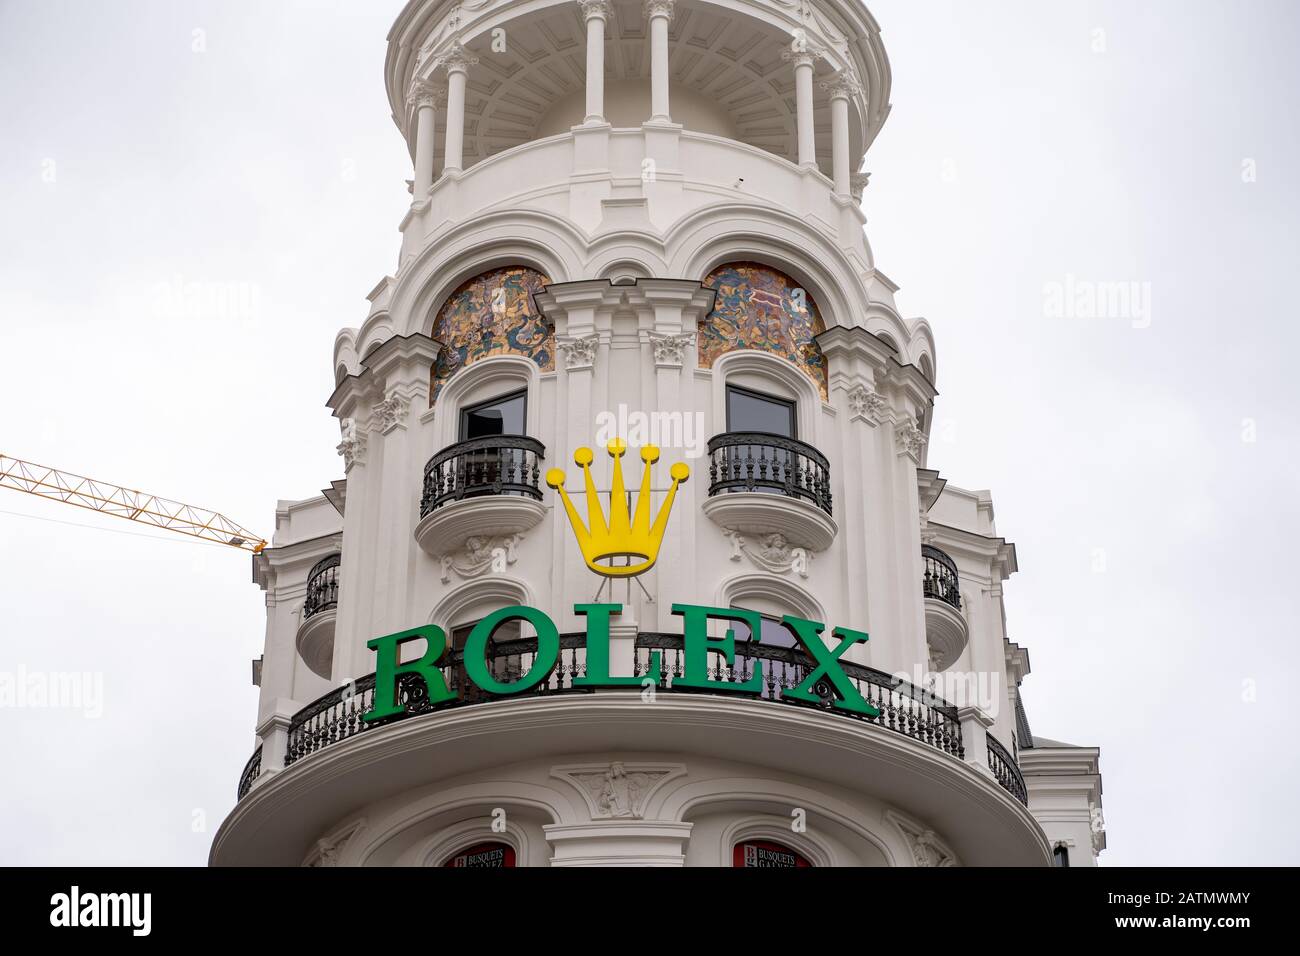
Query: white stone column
[(424, 94), (457, 63), (660, 12), (596, 13), (803, 60), (841, 89)]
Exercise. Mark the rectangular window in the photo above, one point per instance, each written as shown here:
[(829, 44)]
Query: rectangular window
[(755, 412), (504, 415), (771, 634)]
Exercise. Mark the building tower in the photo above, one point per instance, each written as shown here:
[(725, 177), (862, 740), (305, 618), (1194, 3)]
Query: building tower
[(639, 223)]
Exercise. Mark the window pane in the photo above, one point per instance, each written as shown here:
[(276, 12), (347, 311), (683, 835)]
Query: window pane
[(772, 633), (751, 412), (501, 416)]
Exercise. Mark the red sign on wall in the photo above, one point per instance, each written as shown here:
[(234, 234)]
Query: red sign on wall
[(483, 855), (767, 853)]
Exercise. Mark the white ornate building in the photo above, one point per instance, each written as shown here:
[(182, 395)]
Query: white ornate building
[(641, 220)]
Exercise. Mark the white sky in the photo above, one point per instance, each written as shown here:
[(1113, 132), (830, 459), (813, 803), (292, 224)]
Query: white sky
[(1156, 580)]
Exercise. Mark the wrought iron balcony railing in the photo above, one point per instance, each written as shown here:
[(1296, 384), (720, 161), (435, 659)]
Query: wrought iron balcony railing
[(940, 578), (904, 709), (758, 461), (322, 587), (1007, 771), (496, 465), (251, 771)]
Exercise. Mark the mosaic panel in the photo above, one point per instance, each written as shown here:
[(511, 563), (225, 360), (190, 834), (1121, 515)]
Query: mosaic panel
[(492, 314), (758, 307)]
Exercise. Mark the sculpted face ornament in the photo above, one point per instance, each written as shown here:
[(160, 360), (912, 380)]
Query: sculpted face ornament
[(631, 538)]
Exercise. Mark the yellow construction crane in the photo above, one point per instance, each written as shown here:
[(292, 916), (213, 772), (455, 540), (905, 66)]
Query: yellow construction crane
[(109, 499)]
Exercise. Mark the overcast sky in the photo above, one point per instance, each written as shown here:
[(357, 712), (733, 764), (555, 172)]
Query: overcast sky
[(1143, 460)]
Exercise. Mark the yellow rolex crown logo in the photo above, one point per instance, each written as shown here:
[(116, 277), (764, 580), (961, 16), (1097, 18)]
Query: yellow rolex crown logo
[(631, 537)]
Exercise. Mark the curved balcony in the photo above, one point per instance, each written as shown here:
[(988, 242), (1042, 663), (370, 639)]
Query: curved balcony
[(483, 486), (910, 755), (940, 578), (904, 708), (763, 483), (315, 638), (946, 630), (251, 771), (1007, 771), (322, 587)]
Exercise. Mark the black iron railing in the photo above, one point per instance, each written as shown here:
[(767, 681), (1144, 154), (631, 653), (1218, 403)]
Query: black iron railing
[(337, 715), (497, 465), (904, 709), (322, 587), (251, 770), (940, 578), (758, 461), (1007, 771)]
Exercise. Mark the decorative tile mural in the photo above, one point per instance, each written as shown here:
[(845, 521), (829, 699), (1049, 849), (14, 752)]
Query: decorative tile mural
[(758, 307), (492, 314)]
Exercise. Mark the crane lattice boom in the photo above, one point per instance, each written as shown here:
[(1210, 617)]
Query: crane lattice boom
[(112, 499)]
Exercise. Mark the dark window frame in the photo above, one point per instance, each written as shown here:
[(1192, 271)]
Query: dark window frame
[(791, 405), (463, 419)]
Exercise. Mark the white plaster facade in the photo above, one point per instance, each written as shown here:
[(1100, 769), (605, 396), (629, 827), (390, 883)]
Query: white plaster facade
[(624, 150)]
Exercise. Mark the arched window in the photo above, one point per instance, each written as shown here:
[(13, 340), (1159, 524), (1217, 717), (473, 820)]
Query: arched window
[(492, 314), (767, 853), (758, 307), (1061, 855), (486, 855)]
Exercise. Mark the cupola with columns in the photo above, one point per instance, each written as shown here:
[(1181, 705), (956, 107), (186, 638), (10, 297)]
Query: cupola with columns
[(621, 84)]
